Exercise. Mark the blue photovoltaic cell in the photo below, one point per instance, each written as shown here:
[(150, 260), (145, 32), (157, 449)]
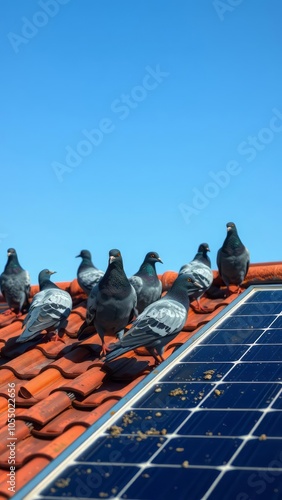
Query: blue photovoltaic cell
[(277, 323), (232, 337), (260, 309), (258, 372), (159, 483), (260, 453), (266, 296), (248, 485), (184, 372), (271, 425), (209, 427), (254, 321), (264, 353), (182, 396), (144, 420), (241, 395), (271, 336), (220, 423), (278, 402), (137, 450), (207, 451), (216, 353), (86, 481)]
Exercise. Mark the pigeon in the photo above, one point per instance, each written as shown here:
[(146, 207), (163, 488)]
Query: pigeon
[(147, 285), (111, 305), (160, 322), (87, 274), (233, 258), (15, 284), (200, 268), (49, 309)]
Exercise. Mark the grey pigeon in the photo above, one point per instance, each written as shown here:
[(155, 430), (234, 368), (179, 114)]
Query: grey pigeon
[(233, 258), (200, 268), (49, 309), (15, 284), (147, 285), (160, 322), (111, 305), (87, 274)]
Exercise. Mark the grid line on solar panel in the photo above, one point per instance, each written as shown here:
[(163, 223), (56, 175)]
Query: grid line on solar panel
[(182, 402)]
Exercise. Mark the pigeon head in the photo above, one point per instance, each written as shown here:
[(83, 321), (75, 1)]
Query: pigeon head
[(153, 257), (84, 254), (11, 251), (184, 285), (13, 261), (12, 256), (204, 248), (186, 282), (45, 275), (114, 255), (231, 227)]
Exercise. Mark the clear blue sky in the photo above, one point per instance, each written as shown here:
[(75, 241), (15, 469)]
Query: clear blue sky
[(139, 126)]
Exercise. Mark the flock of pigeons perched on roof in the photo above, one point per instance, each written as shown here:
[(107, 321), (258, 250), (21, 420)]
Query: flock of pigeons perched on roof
[(115, 301)]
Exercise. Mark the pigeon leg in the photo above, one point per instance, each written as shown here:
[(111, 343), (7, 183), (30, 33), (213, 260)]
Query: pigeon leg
[(55, 337), (200, 308), (158, 357), (159, 360), (105, 349)]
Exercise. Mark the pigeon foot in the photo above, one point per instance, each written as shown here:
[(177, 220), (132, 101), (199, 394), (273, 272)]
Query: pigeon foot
[(55, 337), (9, 312)]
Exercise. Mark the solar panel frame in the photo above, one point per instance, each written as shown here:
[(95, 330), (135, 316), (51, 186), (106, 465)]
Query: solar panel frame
[(133, 399)]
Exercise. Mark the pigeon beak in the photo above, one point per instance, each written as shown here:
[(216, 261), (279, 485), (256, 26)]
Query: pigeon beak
[(77, 256), (160, 260), (112, 258), (52, 272), (208, 249)]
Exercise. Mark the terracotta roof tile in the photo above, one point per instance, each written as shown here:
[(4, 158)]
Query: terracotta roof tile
[(23, 475), (26, 366), (41, 386), (43, 411), (61, 388), (108, 391), (10, 331), (86, 382)]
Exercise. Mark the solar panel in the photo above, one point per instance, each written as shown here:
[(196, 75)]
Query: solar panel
[(206, 425)]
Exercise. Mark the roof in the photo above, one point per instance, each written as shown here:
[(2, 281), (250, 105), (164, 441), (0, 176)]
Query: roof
[(62, 388)]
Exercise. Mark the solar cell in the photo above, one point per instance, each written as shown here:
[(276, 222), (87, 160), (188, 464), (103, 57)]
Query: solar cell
[(206, 426)]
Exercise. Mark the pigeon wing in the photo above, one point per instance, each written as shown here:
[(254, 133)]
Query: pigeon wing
[(50, 309), (164, 317), (92, 304), (136, 282), (89, 277)]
